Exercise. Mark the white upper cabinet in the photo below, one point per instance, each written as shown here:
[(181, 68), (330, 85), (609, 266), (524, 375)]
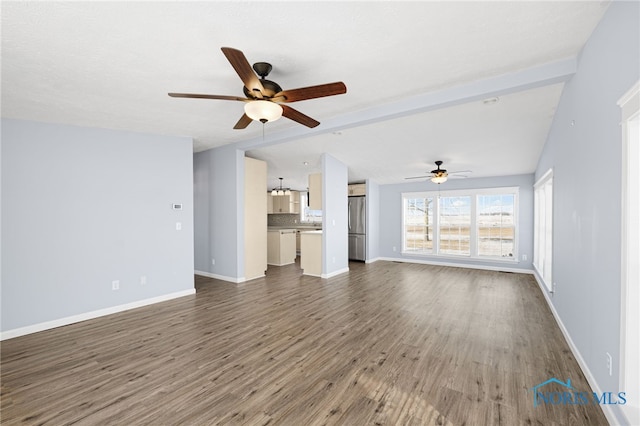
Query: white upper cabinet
[(357, 189), (315, 191), (284, 203)]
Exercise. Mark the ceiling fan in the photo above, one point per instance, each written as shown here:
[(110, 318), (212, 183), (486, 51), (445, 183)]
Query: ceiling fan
[(265, 99), (439, 175)]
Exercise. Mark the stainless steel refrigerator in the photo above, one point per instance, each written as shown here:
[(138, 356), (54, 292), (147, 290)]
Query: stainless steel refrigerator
[(357, 228)]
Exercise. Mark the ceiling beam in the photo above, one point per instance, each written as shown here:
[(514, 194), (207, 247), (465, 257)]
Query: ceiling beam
[(530, 78)]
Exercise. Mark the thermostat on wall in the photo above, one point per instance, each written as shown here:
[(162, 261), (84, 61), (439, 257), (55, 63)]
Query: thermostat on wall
[(177, 206)]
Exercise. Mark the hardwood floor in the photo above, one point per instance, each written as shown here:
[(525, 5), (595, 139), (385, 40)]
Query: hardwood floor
[(385, 344)]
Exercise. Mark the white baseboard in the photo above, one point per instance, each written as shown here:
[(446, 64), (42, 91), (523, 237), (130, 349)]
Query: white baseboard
[(312, 275), (252, 278), (606, 408), (498, 268), (22, 331), (334, 273), (281, 264), (220, 277), (375, 259)]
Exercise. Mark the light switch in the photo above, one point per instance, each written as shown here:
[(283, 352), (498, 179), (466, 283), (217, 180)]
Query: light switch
[(178, 226)]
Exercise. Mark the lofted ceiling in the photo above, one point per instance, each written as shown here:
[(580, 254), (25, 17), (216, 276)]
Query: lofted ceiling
[(416, 72)]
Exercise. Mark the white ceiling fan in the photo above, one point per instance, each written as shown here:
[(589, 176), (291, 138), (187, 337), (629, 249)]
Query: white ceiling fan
[(439, 175)]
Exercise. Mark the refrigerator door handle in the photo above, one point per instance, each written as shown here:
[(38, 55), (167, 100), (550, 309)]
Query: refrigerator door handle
[(349, 211)]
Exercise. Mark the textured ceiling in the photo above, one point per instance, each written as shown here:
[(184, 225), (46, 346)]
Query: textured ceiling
[(111, 64)]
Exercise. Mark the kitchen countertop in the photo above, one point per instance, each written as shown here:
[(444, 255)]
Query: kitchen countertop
[(318, 232)]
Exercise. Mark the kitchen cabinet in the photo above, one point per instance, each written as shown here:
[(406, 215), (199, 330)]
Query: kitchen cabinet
[(311, 253), (284, 203), (294, 203), (315, 191), (304, 229), (281, 203), (281, 247), (357, 189)]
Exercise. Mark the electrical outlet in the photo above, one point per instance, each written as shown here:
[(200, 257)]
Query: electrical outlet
[(333, 259), (178, 226), (524, 257), (394, 248), (143, 280), (213, 261), (609, 364), (115, 285)]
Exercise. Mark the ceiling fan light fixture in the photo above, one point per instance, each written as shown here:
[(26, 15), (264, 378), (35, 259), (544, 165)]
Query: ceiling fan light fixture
[(439, 179), (263, 111)]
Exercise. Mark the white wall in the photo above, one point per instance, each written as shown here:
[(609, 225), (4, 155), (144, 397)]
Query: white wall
[(585, 138), (335, 241), (82, 207)]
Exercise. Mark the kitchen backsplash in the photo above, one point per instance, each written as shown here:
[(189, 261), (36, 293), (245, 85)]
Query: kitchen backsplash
[(287, 220)]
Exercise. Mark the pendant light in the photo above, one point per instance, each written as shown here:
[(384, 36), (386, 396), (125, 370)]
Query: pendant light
[(280, 190)]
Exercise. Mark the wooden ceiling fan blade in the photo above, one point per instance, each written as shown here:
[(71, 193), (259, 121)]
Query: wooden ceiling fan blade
[(244, 121), (298, 117), (239, 63), (419, 177), (311, 92), (199, 96)]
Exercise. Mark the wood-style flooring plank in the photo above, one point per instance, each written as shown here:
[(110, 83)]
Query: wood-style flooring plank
[(385, 344)]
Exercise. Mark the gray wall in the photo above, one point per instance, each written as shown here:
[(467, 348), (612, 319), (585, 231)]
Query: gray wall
[(391, 218), (587, 227), (335, 241), (219, 200), (373, 220), (201, 200), (82, 207)]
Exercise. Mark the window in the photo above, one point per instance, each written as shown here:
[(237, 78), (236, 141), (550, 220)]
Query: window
[(496, 225), (455, 225), (418, 224), (306, 214), (472, 223), (543, 228)]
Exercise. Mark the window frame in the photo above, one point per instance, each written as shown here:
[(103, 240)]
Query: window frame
[(514, 225), (473, 231), (543, 229), (442, 225), (434, 210), (304, 208)]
